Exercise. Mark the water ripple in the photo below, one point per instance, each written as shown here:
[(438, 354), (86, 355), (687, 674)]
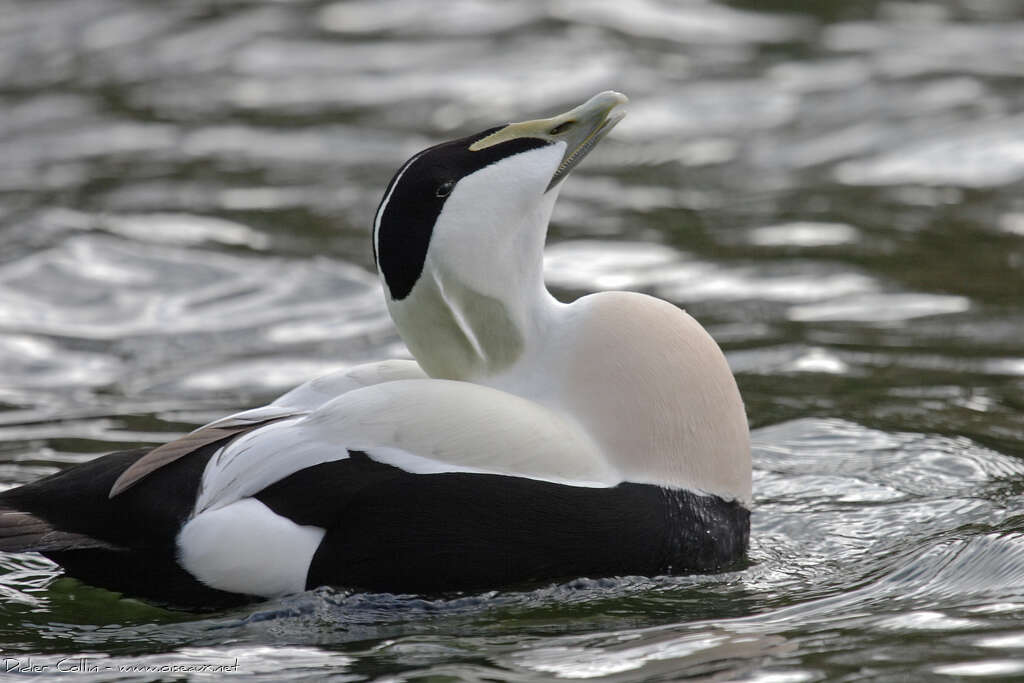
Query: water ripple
[(101, 288), (832, 190)]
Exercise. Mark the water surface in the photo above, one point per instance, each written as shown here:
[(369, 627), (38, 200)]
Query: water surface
[(185, 195)]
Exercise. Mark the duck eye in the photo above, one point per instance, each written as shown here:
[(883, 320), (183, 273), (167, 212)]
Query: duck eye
[(445, 188), (561, 128)]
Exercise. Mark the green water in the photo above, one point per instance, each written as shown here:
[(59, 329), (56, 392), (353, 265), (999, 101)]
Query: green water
[(836, 193)]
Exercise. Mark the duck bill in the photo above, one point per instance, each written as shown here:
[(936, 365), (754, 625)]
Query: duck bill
[(580, 129)]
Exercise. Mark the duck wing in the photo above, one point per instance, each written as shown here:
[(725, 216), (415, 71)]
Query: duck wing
[(419, 426), (299, 401)]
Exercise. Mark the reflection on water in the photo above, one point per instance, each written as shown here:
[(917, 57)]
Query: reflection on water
[(833, 189)]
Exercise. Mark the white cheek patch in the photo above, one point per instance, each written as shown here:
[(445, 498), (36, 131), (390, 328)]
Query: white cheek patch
[(485, 213), (247, 548)]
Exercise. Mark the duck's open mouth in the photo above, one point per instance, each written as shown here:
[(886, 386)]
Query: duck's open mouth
[(580, 129)]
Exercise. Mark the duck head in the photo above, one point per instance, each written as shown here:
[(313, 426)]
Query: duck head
[(459, 237)]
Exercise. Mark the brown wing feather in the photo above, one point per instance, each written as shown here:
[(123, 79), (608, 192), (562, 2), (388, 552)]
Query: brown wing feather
[(179, 448)]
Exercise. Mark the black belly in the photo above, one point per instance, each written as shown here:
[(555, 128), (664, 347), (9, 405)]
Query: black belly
[(441, 532), (389, 530)]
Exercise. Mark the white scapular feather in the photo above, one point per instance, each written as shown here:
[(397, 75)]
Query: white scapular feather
[(452, 423), (319, 390)]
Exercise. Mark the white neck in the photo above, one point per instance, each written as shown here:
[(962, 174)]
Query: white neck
[(479, 301)]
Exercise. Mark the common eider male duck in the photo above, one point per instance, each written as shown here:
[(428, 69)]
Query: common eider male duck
[(531, 440)]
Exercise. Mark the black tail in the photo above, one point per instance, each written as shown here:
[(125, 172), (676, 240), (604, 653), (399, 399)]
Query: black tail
[(22, 532), (73, 508), (125, 543), (65, 511)]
